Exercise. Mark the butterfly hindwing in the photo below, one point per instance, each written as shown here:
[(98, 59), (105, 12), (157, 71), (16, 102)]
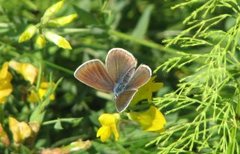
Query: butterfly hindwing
[(94, 74), (118, 62), (140, 77), (124, 99)]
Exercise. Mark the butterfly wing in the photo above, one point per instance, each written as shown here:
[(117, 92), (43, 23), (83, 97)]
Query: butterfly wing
[(140, 77), (94, 74), (124, 99), (118, 62)]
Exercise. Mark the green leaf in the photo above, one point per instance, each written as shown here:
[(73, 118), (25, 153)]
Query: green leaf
[(30, 4), (24, 149), (39, 112), (86, 17), (142, 25), (58, 125)]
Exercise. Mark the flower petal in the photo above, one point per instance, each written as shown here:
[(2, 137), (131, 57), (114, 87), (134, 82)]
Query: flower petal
[(20, 130), (27, 70), (104, 133), (109, 126), (5, 86)]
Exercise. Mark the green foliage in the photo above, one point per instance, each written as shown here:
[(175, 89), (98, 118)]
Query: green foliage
[(192, 46), (207, 97)]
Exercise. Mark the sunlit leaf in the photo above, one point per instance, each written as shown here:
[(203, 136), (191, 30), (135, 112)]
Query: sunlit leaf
[(58, 125)]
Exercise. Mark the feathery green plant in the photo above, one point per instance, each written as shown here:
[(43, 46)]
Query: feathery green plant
[(207, 97)]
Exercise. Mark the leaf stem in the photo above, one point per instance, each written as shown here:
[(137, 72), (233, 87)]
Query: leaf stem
[(60, 119)]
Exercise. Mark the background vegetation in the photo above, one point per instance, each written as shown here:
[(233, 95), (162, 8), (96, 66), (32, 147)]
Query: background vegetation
[(192, 46)]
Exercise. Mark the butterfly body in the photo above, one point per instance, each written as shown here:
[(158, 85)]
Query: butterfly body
[(121, 85), (119, 75)]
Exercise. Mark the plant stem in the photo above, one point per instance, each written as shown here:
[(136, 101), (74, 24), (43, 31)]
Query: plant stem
[(61, 119), (147, 43), (58, 67)]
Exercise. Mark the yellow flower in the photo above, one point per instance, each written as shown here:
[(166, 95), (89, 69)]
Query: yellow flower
[(5, 80), (20, 130), (28, 71), (43, 90), (109, 126), (150, 120), (145, 92), (36, 96), (27, 34), (3, 137), (33, 97), (58, 40)]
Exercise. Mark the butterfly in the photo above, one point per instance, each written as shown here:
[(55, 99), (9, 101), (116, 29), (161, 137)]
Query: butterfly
[(119, 75)]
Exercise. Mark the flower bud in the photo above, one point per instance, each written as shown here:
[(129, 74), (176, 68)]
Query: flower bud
[(27, 34), (52, 10), (40, 41), (62, 20), (58, 40)]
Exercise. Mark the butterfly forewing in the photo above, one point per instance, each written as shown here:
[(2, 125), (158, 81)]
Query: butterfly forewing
[(140, 77), (124, 99), (118, 62), (94, 74)]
